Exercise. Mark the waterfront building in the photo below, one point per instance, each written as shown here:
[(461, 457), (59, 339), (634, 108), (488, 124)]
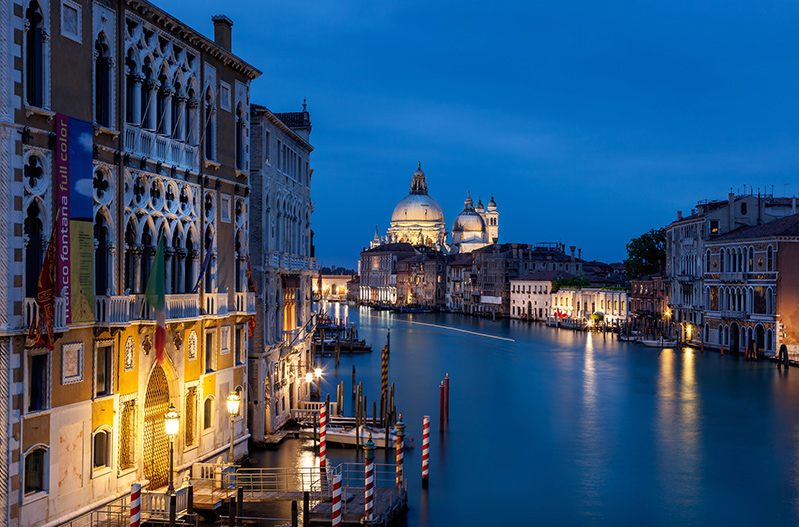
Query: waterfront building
[(531, 294), (378, 267), (685, 249), (420, 279), (459, 281), (494, 266), (333, 286), (354, 289), (472, 229), (751, 287), (594, 305), (139, 101), (284, 266), (648, 305)]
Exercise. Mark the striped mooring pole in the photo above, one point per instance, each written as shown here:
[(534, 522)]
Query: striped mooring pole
[(135, 505), (322, 435), (425, 448), (369, 479), (400, 427), (384, 391), (336, 500), (446, 398)]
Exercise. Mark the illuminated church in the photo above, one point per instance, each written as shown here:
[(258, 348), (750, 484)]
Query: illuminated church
[(419, 220)]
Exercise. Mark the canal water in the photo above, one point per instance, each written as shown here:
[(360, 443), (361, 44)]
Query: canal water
[(554, 427)]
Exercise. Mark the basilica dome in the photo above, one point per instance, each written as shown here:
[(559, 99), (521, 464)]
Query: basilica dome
[(417, 207), (468, 221)]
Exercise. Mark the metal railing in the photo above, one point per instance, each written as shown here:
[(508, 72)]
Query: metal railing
[(283, 482)]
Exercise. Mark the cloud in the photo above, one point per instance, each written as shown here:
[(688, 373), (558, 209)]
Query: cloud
[(85, 140), (84, 186)]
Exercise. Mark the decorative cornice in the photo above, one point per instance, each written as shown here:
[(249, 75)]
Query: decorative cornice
[(180, 30)]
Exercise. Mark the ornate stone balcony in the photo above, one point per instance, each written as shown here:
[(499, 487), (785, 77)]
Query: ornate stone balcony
[(145, 143)]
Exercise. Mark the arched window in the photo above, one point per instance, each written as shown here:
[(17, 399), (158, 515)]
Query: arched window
[(102, 83), (34, 55), (210, 139), (239, 138), (189, 116), (161, 104), (208, 413), (34, 249), (751, 266), (101, 448), (209, 272), (707, 261), (770, 259), (176, 108), (35, 470), (132, 89), (147, 96), (101, 256)]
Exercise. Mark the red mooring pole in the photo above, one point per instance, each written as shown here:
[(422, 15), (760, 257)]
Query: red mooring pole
[(369, 479), (425, 449), (446, 398), (135, 502), (322, 435), (336, 501), (400, 427), (441, 405)]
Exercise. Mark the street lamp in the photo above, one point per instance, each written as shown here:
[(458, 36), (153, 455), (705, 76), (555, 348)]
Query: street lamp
[(309, 377), (233, 404), (172, 423)]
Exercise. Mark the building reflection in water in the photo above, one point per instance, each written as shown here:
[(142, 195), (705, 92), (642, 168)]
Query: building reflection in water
[(678, 430)]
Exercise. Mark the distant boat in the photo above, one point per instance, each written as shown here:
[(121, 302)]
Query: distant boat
[(660, 343)]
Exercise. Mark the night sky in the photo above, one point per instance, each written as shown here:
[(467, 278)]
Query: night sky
[(590, 122)]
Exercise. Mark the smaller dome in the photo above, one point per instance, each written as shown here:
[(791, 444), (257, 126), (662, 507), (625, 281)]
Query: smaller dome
[(479, 207), (492, 205), (468, 221)]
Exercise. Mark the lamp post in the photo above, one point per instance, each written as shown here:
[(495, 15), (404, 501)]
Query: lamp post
[(233, 404), (172, 423)]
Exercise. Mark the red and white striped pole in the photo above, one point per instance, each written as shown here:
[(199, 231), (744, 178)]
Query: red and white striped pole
[(369, 479), (322, 435), (400, 427), (135, 505), (425, 448), (336, 501)]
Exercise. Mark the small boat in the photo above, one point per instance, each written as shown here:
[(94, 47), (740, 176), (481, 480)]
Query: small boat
[(345, 435), (660, 343)]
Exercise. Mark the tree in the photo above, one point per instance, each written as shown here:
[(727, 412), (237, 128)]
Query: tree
[(646, 254), (574, 283)]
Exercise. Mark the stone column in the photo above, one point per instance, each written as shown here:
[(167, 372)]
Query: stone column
[(135, 110), (150, 252), (193, 104), (169, 252), (180, 131), (112, 249), (168, 93), (181, 270), (150, 120), (194, 256), (137, 251)]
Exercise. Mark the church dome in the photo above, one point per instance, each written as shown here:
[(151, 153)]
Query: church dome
[(418, 207), (468, 221)]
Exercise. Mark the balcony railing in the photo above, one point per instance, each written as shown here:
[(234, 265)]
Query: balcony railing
[(111, 310), (183, 306), (245, 302), (292, 261), (291, 337), (216, 304), (32, 309), (145, 143), (733, 277)]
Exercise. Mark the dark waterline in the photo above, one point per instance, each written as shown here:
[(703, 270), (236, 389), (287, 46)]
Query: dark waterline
[(553, 427)]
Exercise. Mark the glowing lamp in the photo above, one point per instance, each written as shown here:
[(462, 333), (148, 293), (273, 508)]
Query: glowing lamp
[(309, 377), (317, 372), (172, 422), (233, 404)]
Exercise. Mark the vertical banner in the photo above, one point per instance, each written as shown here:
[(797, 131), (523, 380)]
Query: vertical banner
[(75, 203)]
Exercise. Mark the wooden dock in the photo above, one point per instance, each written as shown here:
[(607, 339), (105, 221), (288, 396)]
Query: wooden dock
[(389, 502)]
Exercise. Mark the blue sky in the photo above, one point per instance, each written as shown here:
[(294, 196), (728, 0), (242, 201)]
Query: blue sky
[(590, 122)]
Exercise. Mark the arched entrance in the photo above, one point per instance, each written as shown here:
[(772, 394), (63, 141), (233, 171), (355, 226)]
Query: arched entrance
[(156, 443), (760, 338), (735, 338), (530, 313)]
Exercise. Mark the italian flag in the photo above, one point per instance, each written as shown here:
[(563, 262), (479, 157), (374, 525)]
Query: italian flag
[(156, 298)]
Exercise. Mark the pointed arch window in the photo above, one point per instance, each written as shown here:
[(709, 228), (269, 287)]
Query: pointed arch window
[(210, 136), (34, 55), (34, 250), (770, 259), (102, 82), (239, 138)]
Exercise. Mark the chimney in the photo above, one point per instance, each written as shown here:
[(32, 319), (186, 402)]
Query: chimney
[(679, 214), (222, 31), (579, 254), (573, 247)]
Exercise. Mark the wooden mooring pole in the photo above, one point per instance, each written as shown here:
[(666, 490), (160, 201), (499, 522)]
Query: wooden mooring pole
[(306, 509), (354, 384), (294, 516), (446, 398)]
